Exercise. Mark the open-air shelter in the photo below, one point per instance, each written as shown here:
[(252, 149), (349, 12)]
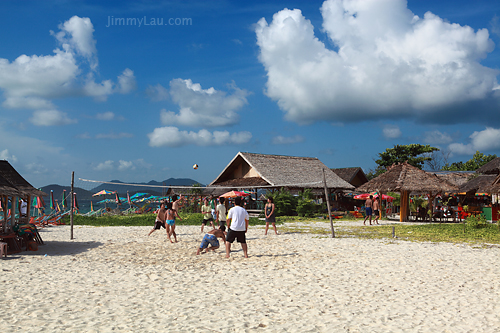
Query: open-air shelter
[(407, 179)]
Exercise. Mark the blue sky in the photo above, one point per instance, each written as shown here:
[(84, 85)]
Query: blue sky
[(87, 86)]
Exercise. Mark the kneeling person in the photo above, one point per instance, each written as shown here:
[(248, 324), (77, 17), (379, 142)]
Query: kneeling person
[(210, 238)]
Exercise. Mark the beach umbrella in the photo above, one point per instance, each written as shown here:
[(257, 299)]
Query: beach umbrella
[(64, 202), (234, 194), (118, 202), (128, 199), (365, 196), (138, 195), (75, 204), (52, 201), (104, 193), (91, 206)]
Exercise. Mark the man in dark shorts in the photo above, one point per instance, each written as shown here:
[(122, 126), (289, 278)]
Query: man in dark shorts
[(237, 224), (160, 219), (368, 209), (211, 239)]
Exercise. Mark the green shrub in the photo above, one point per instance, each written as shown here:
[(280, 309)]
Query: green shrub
[(476, 222)]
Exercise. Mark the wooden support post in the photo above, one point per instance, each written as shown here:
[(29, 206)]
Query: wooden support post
[(72, 202), (393, 232), (328, 204)]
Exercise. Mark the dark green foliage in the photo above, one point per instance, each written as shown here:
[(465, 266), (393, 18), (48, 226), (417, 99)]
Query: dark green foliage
[(476, 222), (402, 153), (477, 161), (285, 203), (306, 206)]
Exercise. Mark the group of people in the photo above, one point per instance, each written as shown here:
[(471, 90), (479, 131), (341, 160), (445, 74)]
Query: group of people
[(372, 207), (236, 219), (165, 217)]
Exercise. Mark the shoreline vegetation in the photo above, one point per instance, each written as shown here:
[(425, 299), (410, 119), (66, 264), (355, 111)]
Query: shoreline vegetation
[(484, 235)]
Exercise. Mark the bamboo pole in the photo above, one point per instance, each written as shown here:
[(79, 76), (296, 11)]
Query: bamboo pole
[(72, 202), (328, 204)]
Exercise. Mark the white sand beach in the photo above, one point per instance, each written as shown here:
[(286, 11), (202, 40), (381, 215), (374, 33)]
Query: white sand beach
[(116, 279)]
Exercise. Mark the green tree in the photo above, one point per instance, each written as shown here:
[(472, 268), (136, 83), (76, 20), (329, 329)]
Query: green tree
[(306, 206), (477, 161), (402, 153), (285, 203)]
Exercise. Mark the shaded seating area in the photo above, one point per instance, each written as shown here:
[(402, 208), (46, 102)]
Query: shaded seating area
[(15, 197)]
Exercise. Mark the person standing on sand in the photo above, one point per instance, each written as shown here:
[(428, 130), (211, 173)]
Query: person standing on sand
[(368, 209), (177, 203), (170, 215), (221, 214), (270, 215), (206, 210), (376, 210), (160, 219), (237, 226), (210, 238)]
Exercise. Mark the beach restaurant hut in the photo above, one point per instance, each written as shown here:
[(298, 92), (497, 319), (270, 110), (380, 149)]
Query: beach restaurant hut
[(354, 176), (15, 187), (405, 179), (273, 172), (490, 168)]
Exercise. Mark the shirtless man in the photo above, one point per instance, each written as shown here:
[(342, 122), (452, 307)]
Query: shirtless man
[(160, 219), (170, 215), (368, 209), (177, 202), (376, 212), (211, 239)]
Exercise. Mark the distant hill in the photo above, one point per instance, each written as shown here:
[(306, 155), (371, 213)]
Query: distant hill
[(122, 189)]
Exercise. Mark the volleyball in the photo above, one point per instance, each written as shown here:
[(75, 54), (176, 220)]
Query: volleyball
[(195, 166)]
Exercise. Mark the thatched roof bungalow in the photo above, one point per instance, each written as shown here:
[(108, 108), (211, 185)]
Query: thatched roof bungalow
[(249, 170), (13, 185), (405, 179), (354, 176), (490, 168), (480, 184)]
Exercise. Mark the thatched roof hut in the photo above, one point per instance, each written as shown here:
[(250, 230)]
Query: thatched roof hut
[(248, 170), (6, 188), (457, 178), (14, 178), (480, 184), (492, 167), (354, 176), (406, 179)]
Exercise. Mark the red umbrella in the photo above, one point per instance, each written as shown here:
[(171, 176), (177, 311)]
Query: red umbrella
[(234, 194), (365, 196)]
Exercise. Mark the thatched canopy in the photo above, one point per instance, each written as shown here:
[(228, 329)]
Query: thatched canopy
[(354, 176), (261, 170), (405, 177), (481, 184), (492, 167), (16, 180), (6, 188), (457, 178)]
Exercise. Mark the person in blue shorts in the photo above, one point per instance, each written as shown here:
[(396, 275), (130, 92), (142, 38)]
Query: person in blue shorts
[(170, 215), (368, 209), (210, 238)]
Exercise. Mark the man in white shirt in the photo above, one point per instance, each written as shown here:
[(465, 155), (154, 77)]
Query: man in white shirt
[(237, 223), (221, 215)]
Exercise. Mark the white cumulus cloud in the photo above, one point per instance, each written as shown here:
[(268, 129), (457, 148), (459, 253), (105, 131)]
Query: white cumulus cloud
[(32, 82), (282, 140), (437, 138), (51, 118), (391, 132), (107, 165), (488, 139), (385, 62), (5, 155), (171, 137), (203, 107)]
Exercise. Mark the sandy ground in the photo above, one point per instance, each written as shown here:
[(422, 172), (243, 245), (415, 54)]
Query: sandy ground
[(116, 279)]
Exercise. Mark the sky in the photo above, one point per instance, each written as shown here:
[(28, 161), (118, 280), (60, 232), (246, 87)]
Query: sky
[(142, 90)]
